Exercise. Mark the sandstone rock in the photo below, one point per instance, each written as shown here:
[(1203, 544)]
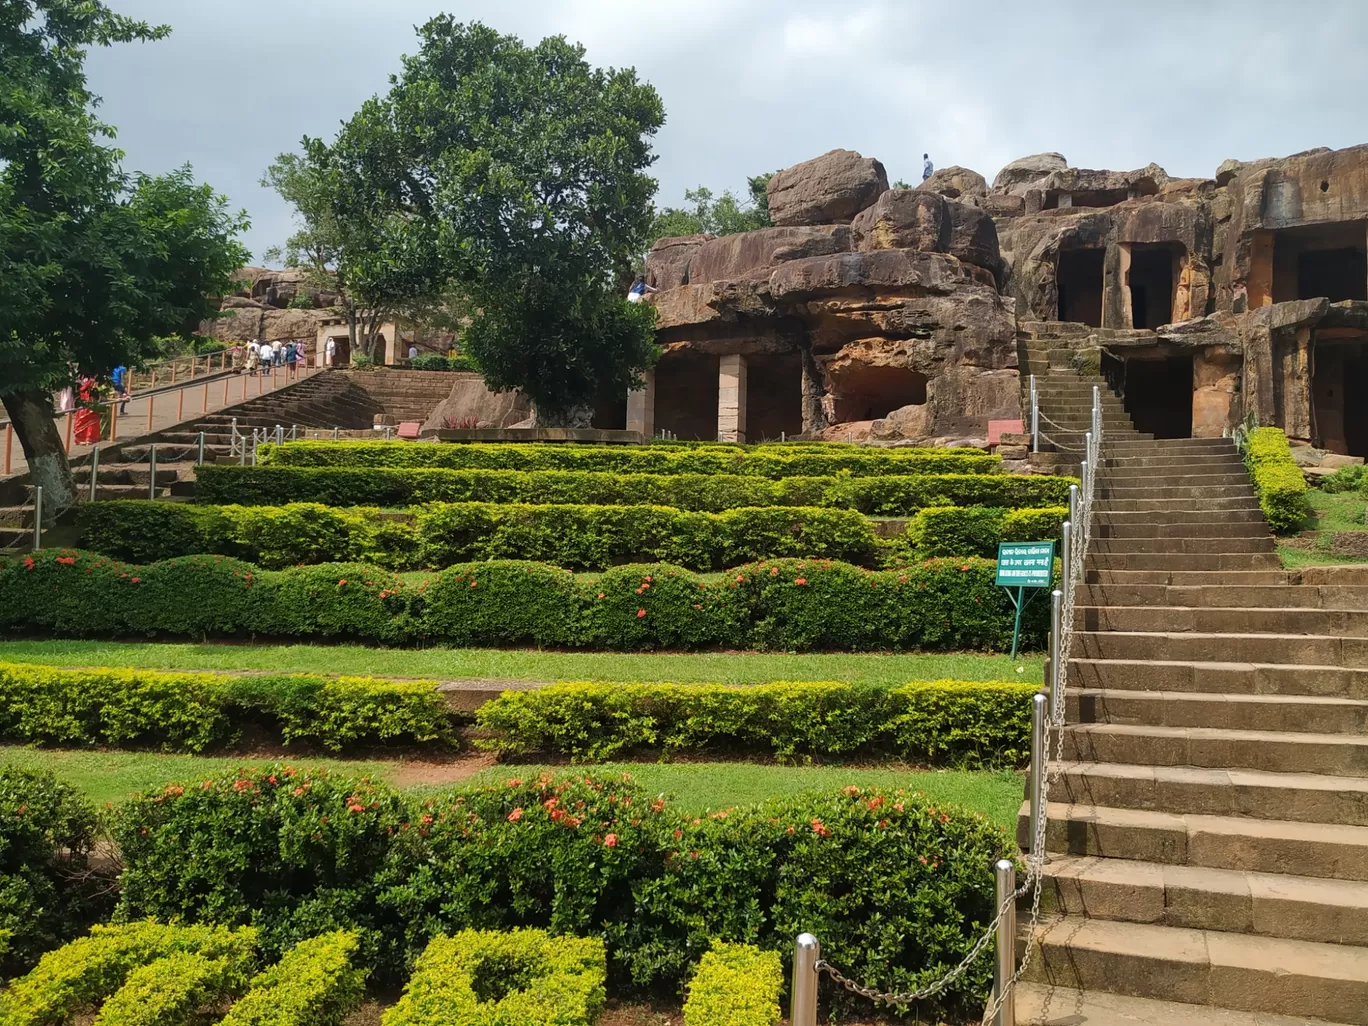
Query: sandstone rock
[(470, 401), (828, 189), (752, 254), (904, 219), (667, 265), (1024, 171), (719, 302), (1334, 461), (956, 183)]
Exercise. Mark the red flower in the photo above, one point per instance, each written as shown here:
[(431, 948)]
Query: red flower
[(342, 583), (819, 829), (67, 560), (640, 613), (801, 580), (600, 595), (678, 834), (740, 579), (137, 580), (356, 807), (610, 841), (474, 583), (28, 562), (515, 815)]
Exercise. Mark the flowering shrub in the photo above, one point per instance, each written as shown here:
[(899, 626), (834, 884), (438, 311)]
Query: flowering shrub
[(735, 985), (314, 984), (977, 530)]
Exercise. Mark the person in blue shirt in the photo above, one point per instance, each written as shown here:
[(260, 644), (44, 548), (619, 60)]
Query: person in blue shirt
[(119, 378), (927, 168), (639, 289)]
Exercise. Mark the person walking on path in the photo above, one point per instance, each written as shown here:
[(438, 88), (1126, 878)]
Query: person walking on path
[(329, 350), (119, 378), (927, 167)]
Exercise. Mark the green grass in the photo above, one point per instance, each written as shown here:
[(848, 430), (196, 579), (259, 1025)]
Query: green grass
[(1331, 514), (695, 787), (507, 664), (1295, 558)]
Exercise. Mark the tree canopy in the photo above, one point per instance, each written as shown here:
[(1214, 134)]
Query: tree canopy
[(515, 176), (722, 215)]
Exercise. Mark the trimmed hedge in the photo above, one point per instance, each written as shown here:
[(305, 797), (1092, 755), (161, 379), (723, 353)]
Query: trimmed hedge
[(438, 362), (487, 978), (772, 461), (966, 723), (897, 887), (736, 985), (787, 604), (191, 712), (314, 984), (171, 990), (1277, 479), (977, 530), (886, 495), (441, 534)]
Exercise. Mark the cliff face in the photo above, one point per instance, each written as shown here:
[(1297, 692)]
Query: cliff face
[(267, 306)]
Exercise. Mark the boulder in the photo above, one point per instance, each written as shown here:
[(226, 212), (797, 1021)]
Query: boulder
[(471, 401), (901, 269), (754, 254), (1023, 172), (829, 189), (667, 264), (956, 183), (903, 219)]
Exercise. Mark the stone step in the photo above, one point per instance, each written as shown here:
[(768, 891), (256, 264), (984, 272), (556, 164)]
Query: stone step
[(1039, 1004), (1323, 851), (1162, 489), (1209, 505), (1205, 791), (1343, 623), (1206, 967), (1181, 709), (1199, 459), (1176, 543), (1184, 646), (1157, 522), (1158, 477), (1199, 898), (1197, 526), (1182, 561), (1127, 448), (1298, 596), (1230, 679), (1192, 578), (1277, 751)]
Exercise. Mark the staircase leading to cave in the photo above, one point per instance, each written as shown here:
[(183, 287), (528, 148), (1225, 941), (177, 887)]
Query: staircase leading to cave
[(1208, 831)]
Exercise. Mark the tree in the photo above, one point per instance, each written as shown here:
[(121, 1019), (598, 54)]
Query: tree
[(725, 215), (98, 265), (514, 177)]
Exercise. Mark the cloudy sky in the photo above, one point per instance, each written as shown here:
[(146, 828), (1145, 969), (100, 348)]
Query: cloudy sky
[(756, 85)]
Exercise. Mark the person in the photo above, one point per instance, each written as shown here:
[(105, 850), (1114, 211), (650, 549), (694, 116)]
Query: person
[(253, 356), (301, 357), (119, 378), (927, 168), (639, 289), (275, 353), (413, 352), (87, 412), (329, 349)]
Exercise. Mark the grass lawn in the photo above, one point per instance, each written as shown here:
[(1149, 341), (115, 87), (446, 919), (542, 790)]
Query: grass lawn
[(696, 787), (1331, 514), (513, 664)]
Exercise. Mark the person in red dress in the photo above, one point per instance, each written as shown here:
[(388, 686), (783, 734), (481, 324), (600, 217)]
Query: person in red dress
[(87, 412)]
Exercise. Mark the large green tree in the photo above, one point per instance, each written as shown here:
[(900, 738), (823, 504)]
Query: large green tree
[(98, 265), (704, 213), (516, 177)]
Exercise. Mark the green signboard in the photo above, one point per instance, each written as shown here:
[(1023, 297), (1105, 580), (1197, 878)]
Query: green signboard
[(1023, 565)]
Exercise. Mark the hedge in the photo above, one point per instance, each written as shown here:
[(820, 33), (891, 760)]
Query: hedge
[(887, 495), (759, 461), (190, 712), (51, 885), (171, 990), (898, 887), (314, 984), (736, 985), (487, 978), (1278, 480), (787, 604), (440, 534), (977, 530), (438, 362), (961, 722)]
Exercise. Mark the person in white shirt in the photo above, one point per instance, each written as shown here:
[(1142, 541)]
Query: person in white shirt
[(329, 348), (927, 167), (639, 290), (413, 353)]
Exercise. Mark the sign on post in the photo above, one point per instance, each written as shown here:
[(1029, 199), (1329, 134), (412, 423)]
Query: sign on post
[(1023, 565)]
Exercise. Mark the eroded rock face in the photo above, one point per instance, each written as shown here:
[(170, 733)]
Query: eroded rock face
[(1024, 171), (667, 265), (243, 320), (471, 404), (957, 183), (829, 189)]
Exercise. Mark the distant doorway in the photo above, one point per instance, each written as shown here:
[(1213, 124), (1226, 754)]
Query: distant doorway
[(1336, 274), (1355, 389), (1153, 270), (1327, 261), (1159, 396), (1078, 279)]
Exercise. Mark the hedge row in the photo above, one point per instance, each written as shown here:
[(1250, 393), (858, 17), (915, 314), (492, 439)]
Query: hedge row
[(314, 984), (888, 495), (441, 534), (736, 985), (899, 888), (1278, 480), (942, 721), (779, 604), (977, 530), (761, 461), (191, 712)]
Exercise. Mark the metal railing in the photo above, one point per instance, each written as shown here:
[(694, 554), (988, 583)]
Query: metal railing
[(1047, 752)]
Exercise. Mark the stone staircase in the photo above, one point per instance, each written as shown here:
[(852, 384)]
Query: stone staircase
[(1208, 831)]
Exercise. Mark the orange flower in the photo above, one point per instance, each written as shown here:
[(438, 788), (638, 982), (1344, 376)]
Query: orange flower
[(640, 613), (342, 583), (515, 815), (474, 583), (801, 580), (610, 841), (356, 807), (819, 829)]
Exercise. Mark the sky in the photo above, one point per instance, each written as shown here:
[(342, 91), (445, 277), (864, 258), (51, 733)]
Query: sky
[(751, 86)]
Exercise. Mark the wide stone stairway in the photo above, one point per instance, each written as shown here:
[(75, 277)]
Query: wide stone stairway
[(1208, 829)]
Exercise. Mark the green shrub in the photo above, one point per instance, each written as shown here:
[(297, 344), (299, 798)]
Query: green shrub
[(888, 495), (51, 888), (977, 530), (78, 977), (735, 985), (1278, 480), (1352, 478), (503, 603), (170, 991), (314, 984), (194, 711), (430, 362), (954, 721), (440, 534), (772, 461), (523, 977)]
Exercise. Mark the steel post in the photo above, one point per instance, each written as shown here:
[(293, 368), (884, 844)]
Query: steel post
[(1065, 558), (1035, 417), (336, 433), (1073, 504), (1037, 781), (37, 517), (803, 1010), (152, 471), (94, 470), (1088, 462), (1057, 656), (1004, 873), (280, 435), (199, 458)]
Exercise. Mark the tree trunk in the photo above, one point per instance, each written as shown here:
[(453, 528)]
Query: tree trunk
[(575, 417), (31, 413), (351, 330)]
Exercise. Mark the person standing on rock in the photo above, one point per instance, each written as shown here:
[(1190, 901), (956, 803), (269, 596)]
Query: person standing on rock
[(927, 167), (638, 290)]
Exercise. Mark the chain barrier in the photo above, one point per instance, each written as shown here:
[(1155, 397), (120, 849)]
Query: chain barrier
[(1052, 743)]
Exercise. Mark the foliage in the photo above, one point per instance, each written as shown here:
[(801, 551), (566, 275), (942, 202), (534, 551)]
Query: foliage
[(785, 604), (886, 495), (79, 976), (1353, 478), (723, 215), (977, 530), (526, 193), (314, 984), (772, 461), (941, 721), (171, 990), (49, 889), (488, 978), (1279, 482), (735, 985), (194, 711), (441, 534)]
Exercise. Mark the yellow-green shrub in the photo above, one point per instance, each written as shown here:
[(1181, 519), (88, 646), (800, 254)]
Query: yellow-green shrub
[(735, 985), (488, 978), (1278, 480), (314, 984), (977, 530), (171, 990)]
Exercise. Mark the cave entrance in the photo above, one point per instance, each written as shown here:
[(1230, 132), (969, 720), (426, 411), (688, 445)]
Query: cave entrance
[(864, 392), (1078, 278), (1159, 395), (610, 410), (1355, 387), (1339, 396), (686, 395), (1323, 260), (1153, 272), (774, 396)]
